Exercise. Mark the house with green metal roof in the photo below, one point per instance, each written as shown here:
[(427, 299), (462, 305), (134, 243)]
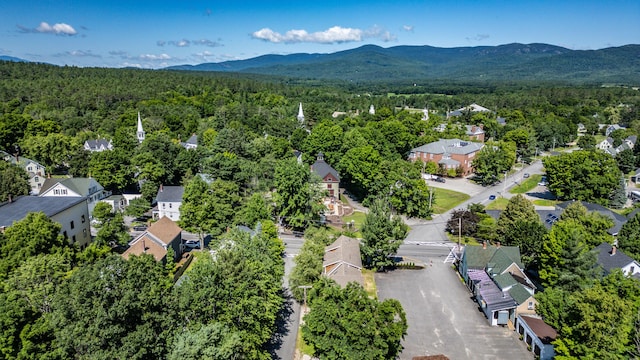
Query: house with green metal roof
[(495, 276), (75, 187)]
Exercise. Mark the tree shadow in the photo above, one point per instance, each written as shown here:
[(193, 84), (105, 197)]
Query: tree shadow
[(283, 324)]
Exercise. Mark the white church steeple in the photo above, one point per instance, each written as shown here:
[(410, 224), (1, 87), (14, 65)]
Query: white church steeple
[(300, 115), (140, 132), (372, 110)]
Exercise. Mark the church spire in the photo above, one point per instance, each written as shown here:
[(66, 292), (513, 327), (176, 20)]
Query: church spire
[(140, 133), (300, 115)]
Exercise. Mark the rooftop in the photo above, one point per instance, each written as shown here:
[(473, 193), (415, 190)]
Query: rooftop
[(21, 206), (544, 332), (610, 261), (170, 193), (342, 261), (450, 146), (164, 230), (322, 169)]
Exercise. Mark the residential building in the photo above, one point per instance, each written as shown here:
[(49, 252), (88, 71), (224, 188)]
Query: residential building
[(582, 130), (605, 144), (475, 132), (156, 241), (609, 257), (98, 145), (449, 154), (88, 188), (538, 335), (612, 128), (473, 108), (636, 177), (330, 179), (140, 131), (496, 278), (36, 172), (117, 202), (342, 262), (169, 200), (71, 213), (191, 143)]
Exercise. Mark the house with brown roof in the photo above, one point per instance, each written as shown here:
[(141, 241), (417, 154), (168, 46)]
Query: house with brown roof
[(342, 262), (538, 336), (448, 153), (156, 241)]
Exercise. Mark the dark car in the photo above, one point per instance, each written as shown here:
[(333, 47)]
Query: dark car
[(492, 197), (440, 179), (140, 227)]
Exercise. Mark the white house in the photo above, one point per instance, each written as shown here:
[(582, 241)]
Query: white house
[(191, 143), (88, 188), (98, 145), (71, 213), (609, 258), (169, 199), (35, 171), (537, 335)]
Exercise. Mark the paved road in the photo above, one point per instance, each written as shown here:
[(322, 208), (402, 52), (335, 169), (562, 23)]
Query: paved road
[(443, 319), (284, 343)]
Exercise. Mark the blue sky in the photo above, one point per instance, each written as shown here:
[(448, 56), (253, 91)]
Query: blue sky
[(155, 34)]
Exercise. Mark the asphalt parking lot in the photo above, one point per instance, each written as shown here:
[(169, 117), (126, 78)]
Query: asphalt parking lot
[(443, 319)]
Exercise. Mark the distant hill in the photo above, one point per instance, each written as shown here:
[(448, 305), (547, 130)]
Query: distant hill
[(11, 58), (511, 62)]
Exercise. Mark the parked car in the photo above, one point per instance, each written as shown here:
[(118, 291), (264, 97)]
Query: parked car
[(193, 244), (526, 175), (492, 197), (440, 179), (140, 227)]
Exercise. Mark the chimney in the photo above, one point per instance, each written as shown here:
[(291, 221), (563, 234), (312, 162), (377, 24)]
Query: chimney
[(484, 244), (497, 244), (613, 248), (161, 188)]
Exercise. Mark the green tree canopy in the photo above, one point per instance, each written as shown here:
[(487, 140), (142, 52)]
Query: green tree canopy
[(13, 181), (347, 324), (382, 235)]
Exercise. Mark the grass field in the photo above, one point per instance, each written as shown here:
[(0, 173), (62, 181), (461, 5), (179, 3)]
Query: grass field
[(527, 185), (358, 220), (447, 199), (498, 204), (545, 202)]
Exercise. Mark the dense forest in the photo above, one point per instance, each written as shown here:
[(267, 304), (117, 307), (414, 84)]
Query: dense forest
[(247, 130)]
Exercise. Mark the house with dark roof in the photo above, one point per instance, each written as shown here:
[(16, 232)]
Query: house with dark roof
[(98, 145), (448, 153), (71, 213), (330, 179), (191, 143), (37, 173), (169, 199), (609, 257), (496, 278), (342, 262), (475, 132), (538, 335), (156, 241), (88, 188)]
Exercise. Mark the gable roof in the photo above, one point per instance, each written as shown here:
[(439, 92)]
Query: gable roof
[(519, 293), (20, 161), (489, 292), (504, 280), (477, 257), (450, 146), (610, 261), (170, 193), (342, 261), (164, 230), (145, 245), (322, 169), (96, 144), (78, 185), (22, 205)]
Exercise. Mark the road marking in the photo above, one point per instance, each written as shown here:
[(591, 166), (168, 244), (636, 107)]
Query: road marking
[(429, 243)]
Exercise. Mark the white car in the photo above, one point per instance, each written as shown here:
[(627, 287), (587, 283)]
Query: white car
[(193, 244)]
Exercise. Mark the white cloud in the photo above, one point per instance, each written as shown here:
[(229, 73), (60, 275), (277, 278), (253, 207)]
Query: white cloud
[(82, 53), (57, 29), (335, 34), (153, 57), (187, 43), (408, 28)]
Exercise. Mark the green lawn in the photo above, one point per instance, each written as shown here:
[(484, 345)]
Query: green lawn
[(447, 199), (498, 204), (527, 185), (358, 219), (545, 202)]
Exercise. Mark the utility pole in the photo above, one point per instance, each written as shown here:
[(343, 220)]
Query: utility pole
[(553, 148), (459, 231), (504, 184)]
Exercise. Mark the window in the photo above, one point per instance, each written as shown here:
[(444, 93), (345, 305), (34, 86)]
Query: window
[(170, 205), (328, 186), (56, 192), (163, 205), (71, 224), (36, 179), (65, 235), (632, 270), (530, 305), (64, 191), (29, 168), (73, 239), (83, 219)]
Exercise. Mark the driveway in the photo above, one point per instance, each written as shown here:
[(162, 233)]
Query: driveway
[(442, 317)]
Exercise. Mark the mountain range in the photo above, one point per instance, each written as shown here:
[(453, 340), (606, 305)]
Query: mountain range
[(511, 62)]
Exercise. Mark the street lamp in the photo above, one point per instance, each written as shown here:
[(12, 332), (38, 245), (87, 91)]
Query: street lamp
[(304, 288)]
